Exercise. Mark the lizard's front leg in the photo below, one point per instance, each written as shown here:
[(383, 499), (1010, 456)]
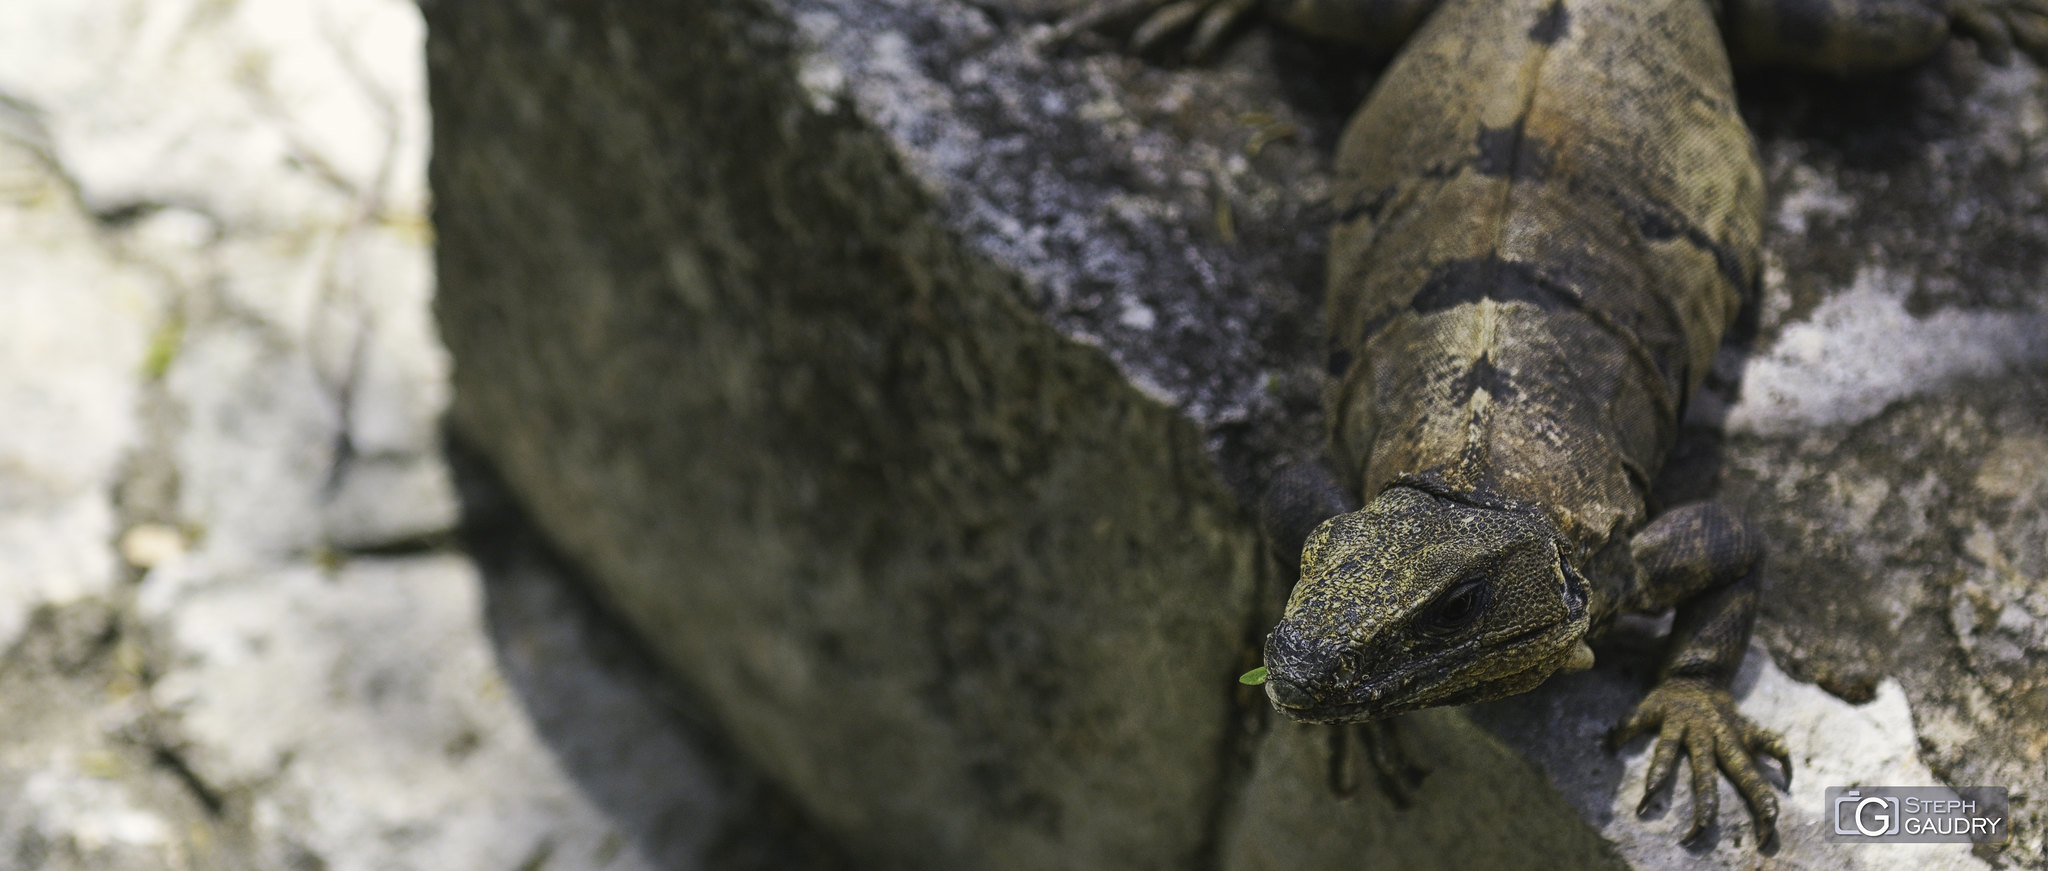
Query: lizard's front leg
[(1707, 561)]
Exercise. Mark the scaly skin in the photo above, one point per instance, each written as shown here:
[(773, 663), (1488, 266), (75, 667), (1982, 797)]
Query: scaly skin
[(1550, 214)]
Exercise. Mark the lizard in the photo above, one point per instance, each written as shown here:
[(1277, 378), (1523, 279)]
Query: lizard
[(1550, 212)]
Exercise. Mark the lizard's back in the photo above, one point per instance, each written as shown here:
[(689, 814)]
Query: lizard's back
[(1551, 215)]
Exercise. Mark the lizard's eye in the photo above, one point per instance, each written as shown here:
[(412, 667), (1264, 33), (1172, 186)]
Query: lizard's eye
[(1455, 610)]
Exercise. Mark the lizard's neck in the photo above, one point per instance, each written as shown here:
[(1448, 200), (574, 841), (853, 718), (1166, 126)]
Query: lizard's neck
[(1514, 415)]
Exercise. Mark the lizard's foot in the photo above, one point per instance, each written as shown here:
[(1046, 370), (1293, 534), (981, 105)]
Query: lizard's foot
[(1393, 769), (1297, 499), (1400, 779), (1207, 22), (1999, 26), (1695, 716)]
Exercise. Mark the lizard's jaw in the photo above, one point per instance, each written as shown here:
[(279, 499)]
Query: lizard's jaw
[(1452, 678), (1297, 705)]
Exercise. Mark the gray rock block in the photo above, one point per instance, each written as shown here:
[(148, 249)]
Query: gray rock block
[(901, 375), (940, 569)]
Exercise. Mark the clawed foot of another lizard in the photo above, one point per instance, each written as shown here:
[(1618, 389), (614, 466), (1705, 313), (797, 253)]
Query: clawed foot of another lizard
[(1207, 22), (2000, 26), (1697, 718)]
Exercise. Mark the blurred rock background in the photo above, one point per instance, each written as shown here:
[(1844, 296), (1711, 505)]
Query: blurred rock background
[(240, 623)]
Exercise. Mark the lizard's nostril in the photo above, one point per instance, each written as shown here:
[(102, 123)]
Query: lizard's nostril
[(1287, 695)]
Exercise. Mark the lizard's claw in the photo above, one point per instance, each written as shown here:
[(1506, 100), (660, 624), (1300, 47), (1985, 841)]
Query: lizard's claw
[(1694, 716), (1210, 20), (1999, 26)]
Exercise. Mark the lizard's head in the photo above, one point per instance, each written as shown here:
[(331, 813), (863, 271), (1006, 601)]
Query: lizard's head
[(1418, 601)]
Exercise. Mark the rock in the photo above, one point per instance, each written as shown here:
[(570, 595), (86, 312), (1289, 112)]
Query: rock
[(329, 745), (1904, 517), (1476, 805), (236, 631), (901, 374), (68, 364), (972, 598), (148, 545)]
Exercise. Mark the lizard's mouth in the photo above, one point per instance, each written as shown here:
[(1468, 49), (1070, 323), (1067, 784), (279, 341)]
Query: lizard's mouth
[(1430, 682), (1341, 714)]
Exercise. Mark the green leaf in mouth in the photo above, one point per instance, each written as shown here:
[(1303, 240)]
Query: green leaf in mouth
[(1254, 677)]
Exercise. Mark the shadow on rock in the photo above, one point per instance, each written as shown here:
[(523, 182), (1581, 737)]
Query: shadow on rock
[(639, 746)]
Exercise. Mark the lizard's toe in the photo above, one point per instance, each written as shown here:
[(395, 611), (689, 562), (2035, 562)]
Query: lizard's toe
[(1206, 24), (1167, 21), (1738, 760), (1706, 786), (1216, 24), (1983, 27), (1663, 765), (2001, 26), (1765, 742), (1099, 15), (2030, 33), (1640, 721)]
